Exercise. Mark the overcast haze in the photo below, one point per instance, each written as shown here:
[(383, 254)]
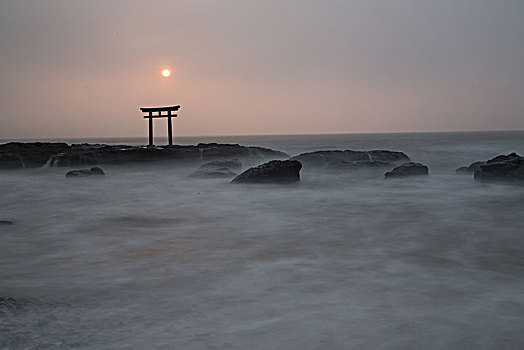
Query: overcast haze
[(83, 68)]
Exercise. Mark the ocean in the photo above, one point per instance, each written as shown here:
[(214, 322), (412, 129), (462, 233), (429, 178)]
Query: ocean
[(147, 258)]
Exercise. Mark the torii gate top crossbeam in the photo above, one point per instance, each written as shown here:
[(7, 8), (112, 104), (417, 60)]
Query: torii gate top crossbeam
[(160, 109)]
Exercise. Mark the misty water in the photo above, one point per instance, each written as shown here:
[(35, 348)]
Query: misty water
[(146, 258)]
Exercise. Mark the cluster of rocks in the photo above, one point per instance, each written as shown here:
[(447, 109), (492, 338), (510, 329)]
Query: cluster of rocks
[(15, 155), (501, 168), (278, 171), (223, 160)]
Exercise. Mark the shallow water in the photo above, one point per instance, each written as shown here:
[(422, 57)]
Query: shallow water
[(147, 258)]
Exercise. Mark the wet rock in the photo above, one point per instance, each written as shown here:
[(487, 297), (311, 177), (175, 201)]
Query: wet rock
[(408, 169), (10, 161), (470, 169), (234, 164), (502, 168), (85, 172), (275, 171), (5, 222), (348, 159)]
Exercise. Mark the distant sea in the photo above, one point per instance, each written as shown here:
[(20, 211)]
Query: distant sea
[(147, 258)]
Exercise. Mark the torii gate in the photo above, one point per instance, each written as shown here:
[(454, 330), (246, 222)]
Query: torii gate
[(150, 110)]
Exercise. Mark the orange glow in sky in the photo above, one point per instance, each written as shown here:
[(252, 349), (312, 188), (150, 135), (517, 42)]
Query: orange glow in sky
[(166, 73)]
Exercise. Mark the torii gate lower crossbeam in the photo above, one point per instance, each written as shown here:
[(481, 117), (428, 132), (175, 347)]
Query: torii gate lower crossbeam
[(169, 115)]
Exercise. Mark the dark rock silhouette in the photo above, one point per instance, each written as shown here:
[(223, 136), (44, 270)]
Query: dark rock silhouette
[(502, 168), (5, 222), (408, 169), (11, 161), (275, 171), (38, 154), (348, 159), (218, 173), (85, 172)]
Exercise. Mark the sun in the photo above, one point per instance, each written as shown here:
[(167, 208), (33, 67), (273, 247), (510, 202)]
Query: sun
[(166, 73)]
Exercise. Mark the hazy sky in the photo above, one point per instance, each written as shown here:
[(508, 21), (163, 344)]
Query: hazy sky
[(83, 68)]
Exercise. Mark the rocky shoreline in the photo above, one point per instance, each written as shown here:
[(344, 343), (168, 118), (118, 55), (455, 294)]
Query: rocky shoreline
[(220, 159), (18, 155)]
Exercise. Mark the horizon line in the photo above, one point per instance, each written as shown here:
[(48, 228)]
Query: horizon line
[(250, 135)]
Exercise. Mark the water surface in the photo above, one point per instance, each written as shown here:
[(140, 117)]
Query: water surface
[(148, 258)]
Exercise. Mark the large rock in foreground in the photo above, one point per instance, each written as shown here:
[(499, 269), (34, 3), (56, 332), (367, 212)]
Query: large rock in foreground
[(348, 159), (502, 168), (275, 171), (408, 169)]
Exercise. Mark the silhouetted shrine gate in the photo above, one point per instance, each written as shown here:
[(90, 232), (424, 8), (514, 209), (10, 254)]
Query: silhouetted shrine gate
[(159, 110)]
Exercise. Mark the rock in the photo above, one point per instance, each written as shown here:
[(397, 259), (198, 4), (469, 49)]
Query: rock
[(38, 154), (502, 168), (388, 157), (85, 172), (5, 222), (74, 159), (33, 154), (275, 171), (217, 150), (408, 169), (227, 163), (470, 169), (7, 303), (219, 173), (338, 159), (10, 161)]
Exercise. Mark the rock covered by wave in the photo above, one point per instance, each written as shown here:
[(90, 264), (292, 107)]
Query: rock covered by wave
[(233, 164), (96, 171), (217, 169), (15, 155), (217, 173), (408, 169), (338, 159)]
